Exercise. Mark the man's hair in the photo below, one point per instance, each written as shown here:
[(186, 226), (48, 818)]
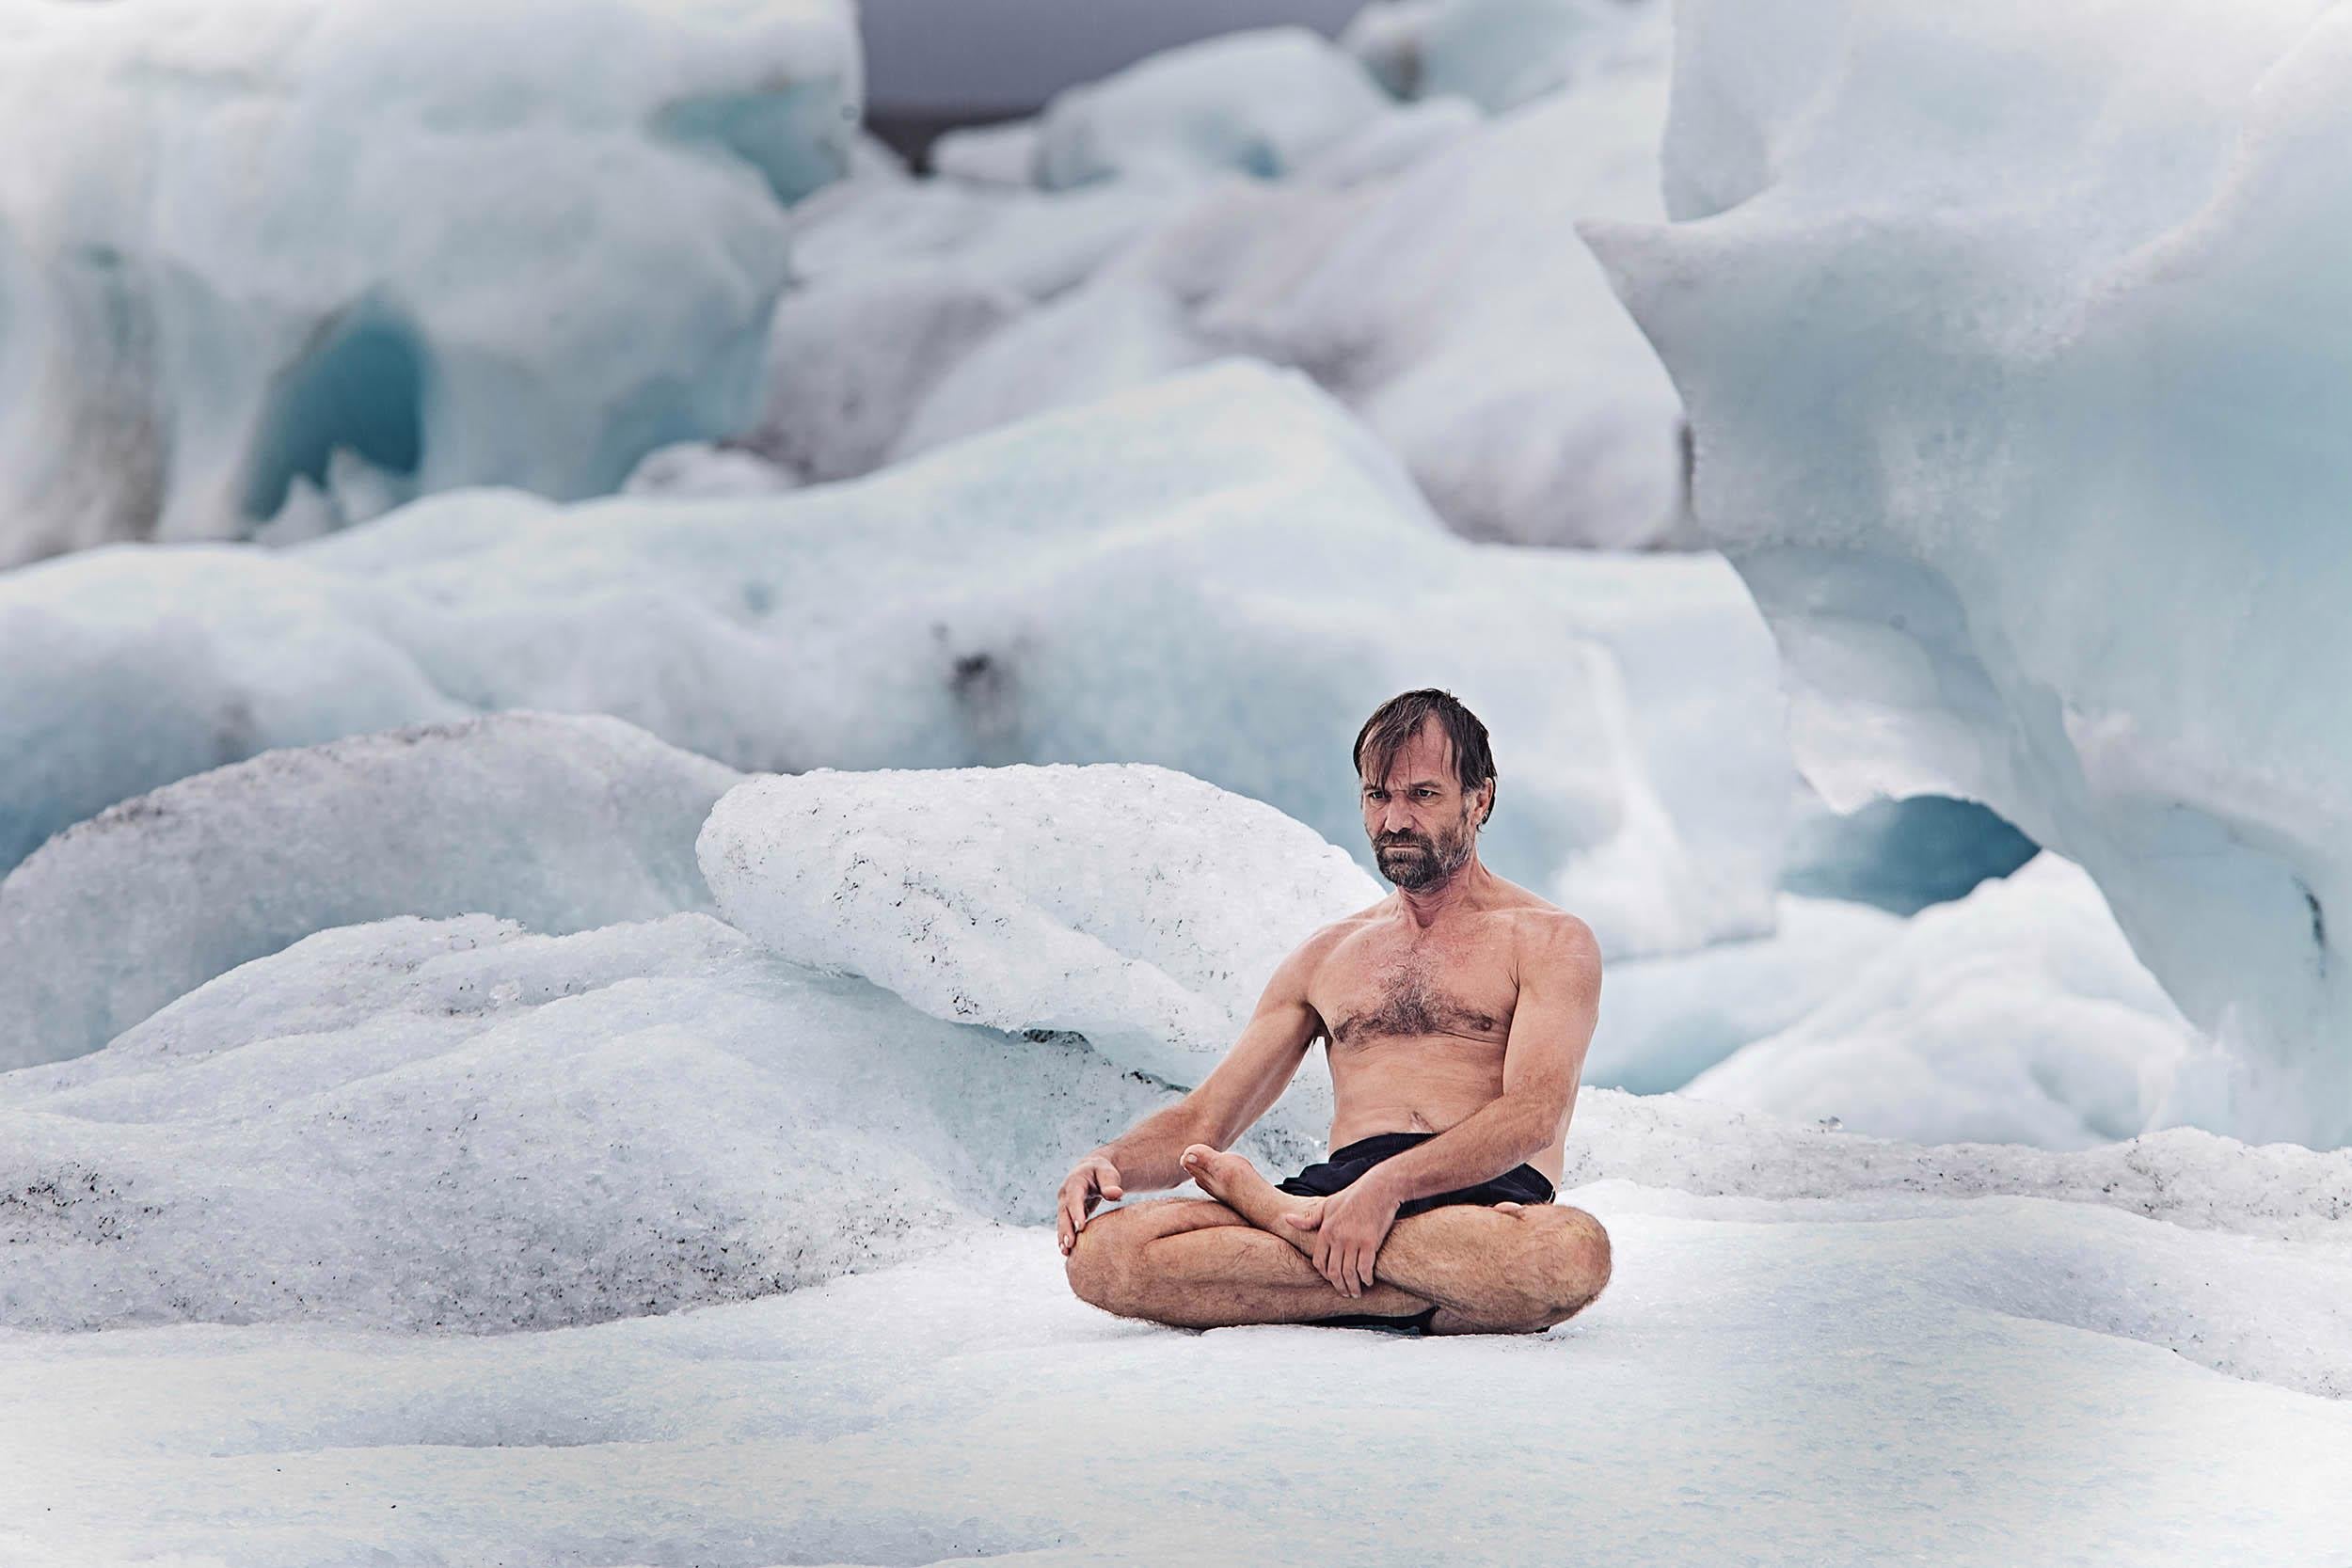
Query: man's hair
[(1394, 723)]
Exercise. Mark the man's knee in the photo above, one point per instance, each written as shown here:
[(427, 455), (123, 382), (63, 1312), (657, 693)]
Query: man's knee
[(1101, 1267), (1571, 1265)]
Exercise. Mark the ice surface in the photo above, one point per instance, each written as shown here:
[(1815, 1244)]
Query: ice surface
[(1257, 103), (461, 242), (562, 823), (1092, 586), (2014, 345), (1425, 267), (2016, 1014), (1967, 1382), (1137, 906)]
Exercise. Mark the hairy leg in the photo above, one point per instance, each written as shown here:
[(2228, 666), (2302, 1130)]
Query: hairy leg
[(1196, 1263), (1508, 1268)]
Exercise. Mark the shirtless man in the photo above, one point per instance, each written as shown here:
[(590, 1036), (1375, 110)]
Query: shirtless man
[(1456, 1014)]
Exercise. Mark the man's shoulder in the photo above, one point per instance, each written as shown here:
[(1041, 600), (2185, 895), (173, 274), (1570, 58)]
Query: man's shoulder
[(1548, 938)]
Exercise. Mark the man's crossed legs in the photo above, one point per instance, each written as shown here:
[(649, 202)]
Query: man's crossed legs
[(1508, 1268)]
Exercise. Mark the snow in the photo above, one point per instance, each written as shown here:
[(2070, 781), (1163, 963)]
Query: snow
[(2011, 346), (456, 243), (562, 823), (1092, 586), (2017, 1014), (1257, 103), (1422, 265)]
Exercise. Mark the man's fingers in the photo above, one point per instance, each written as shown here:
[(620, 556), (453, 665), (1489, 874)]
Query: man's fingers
[(1112, 1191)]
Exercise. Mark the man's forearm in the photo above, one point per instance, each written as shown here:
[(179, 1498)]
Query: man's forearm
[(1145, 1154), (1496, 1137)]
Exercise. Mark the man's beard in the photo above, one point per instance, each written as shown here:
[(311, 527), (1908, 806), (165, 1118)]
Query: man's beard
[(1428, 865)]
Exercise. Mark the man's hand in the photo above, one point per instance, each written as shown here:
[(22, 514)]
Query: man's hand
[(1349, 1227), (1094, 1180)]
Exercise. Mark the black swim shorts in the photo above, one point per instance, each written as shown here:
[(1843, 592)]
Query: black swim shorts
[(1520, 1184)]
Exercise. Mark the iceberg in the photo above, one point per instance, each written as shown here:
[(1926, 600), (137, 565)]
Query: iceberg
[(2010, 342), (1095, 585), (413, 245), (563, 824)]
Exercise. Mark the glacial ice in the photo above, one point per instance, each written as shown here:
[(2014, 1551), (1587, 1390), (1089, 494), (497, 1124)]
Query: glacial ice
[(2017, 1015), (454, 243), (562, 823), (1425, 269), (2013, 345), (1497, 53), (1090, 586)]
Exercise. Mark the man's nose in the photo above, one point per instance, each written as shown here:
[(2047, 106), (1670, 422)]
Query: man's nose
[(1395, 818)]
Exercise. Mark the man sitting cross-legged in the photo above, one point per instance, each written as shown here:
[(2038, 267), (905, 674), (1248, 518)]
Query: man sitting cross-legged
[(1456, 1014)]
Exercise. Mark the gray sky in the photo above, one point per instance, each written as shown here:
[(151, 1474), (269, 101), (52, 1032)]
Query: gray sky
[(1011, 55)]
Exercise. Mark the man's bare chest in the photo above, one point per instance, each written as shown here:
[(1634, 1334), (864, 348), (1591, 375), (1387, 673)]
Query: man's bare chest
[(1383, 992)]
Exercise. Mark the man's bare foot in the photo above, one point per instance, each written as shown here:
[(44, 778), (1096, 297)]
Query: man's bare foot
[(1232, 1180)]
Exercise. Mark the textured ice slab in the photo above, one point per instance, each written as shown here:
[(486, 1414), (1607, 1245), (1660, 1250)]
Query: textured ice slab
[(561, 823), (2014, 343), (319, 256), (457, 1124), (2016, 1014), (1426, 269), (1140, 907), (1092, 586), (1257, 103), (1967, 1382)]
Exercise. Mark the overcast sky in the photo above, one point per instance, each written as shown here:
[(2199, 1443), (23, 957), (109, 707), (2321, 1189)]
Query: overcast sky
[(1011, 55)]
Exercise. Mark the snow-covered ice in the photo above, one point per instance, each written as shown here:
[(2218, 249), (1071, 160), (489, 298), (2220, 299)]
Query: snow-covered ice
[(1425, 268), (2013, 344), (1204, 573), (452, 240), (561, 823), (2017, 1014), (1259, 102)]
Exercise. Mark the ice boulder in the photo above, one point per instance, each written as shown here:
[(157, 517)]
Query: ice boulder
[(2016, 1015), (1221, 573), (1138, 906), (459, 1124), (1257, 103), (561, 823), (2015, 347), (315, 256)]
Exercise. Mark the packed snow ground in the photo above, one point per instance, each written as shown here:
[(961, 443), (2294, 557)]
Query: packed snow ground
[(2013, 345)]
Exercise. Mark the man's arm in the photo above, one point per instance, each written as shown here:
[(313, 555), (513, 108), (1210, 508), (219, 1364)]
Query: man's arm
[(1249, 1079), (1543, 1059), (1551, 1028)]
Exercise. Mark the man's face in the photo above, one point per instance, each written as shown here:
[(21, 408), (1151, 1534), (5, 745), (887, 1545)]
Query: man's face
[(1420, 824)]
